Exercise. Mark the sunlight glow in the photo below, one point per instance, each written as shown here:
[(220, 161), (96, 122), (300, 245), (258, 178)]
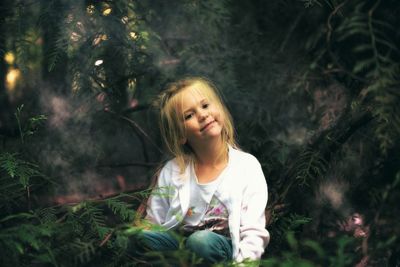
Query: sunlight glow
[(133, 35), (9, 58), (12, 77), (98, 62), (70, 18), (100, 38), (107, 11), (90, 9), (132, 84), (75, 36), (125, 20)]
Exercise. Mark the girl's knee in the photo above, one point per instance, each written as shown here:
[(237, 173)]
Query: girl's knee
[(152, 240), (209, 246), (198, 239)]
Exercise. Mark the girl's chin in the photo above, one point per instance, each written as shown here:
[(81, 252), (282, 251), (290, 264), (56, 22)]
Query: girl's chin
[(210, 136), (213, 130), (213, 135)]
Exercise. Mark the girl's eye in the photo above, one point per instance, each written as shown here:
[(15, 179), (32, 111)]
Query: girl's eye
[(188, 116), (206, 105)]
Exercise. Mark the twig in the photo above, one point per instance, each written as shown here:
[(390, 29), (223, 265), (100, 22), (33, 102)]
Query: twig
[(106, 238), (28, 197), (371, 32), (137, 127), (293, 26), (142, 131), (330, 29)]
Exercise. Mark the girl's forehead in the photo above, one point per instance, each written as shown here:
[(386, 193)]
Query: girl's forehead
[(186, 99), (194, 92)]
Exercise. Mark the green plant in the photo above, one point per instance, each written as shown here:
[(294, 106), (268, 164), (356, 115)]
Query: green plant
[(31, 126)]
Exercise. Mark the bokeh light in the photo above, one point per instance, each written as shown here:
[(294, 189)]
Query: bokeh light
[(12, 78)]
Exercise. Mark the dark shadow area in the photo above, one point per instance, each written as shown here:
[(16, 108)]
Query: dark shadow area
[(313, 87)]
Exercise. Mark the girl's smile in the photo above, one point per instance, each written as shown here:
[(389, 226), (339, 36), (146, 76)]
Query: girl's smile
[(208, 125)]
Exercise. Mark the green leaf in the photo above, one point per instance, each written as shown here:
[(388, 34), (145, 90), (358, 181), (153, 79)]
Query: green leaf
[(18, 216), (9, 163), (121, 209), (362, 48), (315, 247), (363, 65), (291, 239)]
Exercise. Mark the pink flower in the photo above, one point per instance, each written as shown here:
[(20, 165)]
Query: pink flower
[(218, 210), (357, 219)]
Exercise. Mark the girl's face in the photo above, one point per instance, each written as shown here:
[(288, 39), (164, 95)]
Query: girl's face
[(202, 117)]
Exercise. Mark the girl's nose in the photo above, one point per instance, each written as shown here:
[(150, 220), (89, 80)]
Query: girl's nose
[(203, 115)]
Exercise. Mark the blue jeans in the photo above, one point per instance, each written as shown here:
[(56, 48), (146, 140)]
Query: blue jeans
[(209, 246)]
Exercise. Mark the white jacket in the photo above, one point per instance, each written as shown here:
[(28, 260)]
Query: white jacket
[(243, 191)]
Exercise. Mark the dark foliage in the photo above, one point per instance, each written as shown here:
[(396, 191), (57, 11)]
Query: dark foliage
[(313, 87)]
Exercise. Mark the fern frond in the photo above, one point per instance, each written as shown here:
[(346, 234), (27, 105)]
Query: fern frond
[(96, 220), (363, 65), (60, 46), (84, 251), (311, 3), (9, 163), (20, 236), (15, 180), (47, 215), (386, 111), (22, 50), (308, 166), (19, 216), (16, 167), (289, 223), (11, 192), (362, 48), (121, 209)]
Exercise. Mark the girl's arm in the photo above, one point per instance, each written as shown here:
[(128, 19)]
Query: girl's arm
[(158, 203), (253, 235)]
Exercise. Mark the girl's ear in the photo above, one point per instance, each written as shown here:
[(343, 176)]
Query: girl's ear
[(183, 141)]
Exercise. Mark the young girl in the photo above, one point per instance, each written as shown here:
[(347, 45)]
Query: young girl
[(210, 191)]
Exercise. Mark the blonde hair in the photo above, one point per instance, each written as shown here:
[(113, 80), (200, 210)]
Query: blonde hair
[(172, 123)]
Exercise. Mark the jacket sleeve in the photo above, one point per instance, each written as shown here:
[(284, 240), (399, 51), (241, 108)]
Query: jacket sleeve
[(253, 235), (159, 200)]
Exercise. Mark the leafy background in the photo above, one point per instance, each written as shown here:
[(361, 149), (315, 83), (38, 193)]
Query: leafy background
[(312, 86)]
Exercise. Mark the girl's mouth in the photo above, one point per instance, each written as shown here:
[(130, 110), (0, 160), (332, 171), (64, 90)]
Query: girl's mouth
[(207, 126)]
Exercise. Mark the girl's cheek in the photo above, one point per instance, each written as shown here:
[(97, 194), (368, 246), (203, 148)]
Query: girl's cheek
[(215, 113), (219, 117)]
